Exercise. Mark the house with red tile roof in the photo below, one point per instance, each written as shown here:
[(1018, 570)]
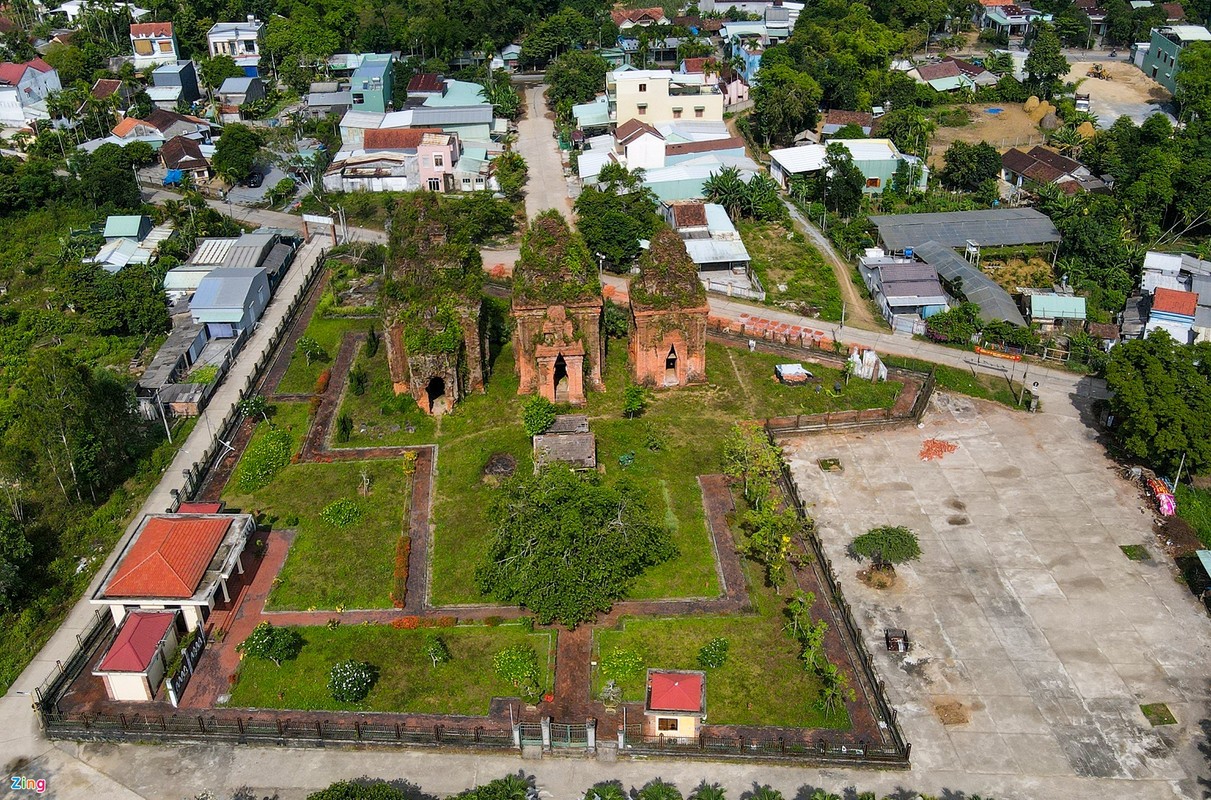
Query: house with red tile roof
[(627, 18), (154, 43), (24, 87), (675, 707), (133, 667), (397, 160), (180, 561), (1173, 311)]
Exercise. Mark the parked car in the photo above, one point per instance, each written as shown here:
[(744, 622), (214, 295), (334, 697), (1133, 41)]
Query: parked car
[(254, 180)]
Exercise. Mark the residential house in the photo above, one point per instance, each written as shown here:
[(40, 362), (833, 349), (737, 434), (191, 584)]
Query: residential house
[(628, 18), (72, 9), (730, 83), (1097, 17), (1041, 166), (836, 119), (686, 180), (1050, 309), (906, 290), (113, 90), (397, 159), (510, 56), (978, 75), (878, 159), (759, 7), (135, 663), (675, 704), (593, 115), (185, 156), (373, 83), (944, 76), (1174, 12), (240, 40), (425, 84), (229, 301), (329, 97), (176, 562), (641, 145), (236, 92), (23, 90), (159, 126), (660, 95), (1176, 271), (715, 247), (1006, 19), (261, 249), (128, 226), (174, 83), (1173, 312), (1167, 44), (129, 239), (469, 123), (154, 43)]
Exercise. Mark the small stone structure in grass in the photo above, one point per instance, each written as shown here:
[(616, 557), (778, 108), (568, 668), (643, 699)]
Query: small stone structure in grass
[(557, 306), (668, 316)]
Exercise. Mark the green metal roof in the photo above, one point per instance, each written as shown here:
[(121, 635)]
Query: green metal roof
[(1054, 306), (458, 93), (127, 225)]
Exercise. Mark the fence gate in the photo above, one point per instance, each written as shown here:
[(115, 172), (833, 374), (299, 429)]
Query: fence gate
[(531, 733), (569, 735)]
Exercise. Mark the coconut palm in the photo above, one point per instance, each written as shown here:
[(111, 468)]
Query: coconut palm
[(727, 189)]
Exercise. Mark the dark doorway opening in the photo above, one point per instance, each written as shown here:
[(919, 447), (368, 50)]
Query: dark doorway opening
[(670, 368), (561, 380), (436, 392)]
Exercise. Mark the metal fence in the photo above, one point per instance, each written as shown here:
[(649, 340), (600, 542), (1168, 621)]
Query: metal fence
[(97, 636), (818, 751)]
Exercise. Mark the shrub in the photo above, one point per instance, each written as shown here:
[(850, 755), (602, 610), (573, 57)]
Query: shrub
[(447, 622), (436, 650), (272, 643), (713, 654), (409, 623), (264, 459), (403, 548), (893, 544), (493, 621), (311, 349), (350, 681), (634, 400), (621, 664), (538, 414), (371, 343), (341, 513), (344, 427), (519, 666), (314, 404), (358, 380), (321, 382)]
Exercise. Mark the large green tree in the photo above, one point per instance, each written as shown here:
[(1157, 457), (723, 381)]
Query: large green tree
[(1193, 80), (1046, 65), (236, 152), (575, 77), (785, 102), (614, 215), (566, 546), (1161, 401), (969, 165)]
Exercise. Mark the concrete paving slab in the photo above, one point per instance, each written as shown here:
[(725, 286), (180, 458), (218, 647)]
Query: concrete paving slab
[(983, 752)]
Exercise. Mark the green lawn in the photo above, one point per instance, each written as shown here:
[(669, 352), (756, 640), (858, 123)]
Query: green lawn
[(689, 423), (300, 376), (792, 261), (984, 387), (329, 567), (408, 681), (763, 681), (380, 417), (1194, 506)]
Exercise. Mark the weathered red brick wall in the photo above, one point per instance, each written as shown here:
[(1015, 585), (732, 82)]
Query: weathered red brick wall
[(654, 333)]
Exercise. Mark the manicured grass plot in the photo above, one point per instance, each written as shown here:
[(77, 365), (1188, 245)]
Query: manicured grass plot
[(407, 682)]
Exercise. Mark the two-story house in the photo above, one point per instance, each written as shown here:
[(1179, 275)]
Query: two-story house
[(397, 159), (240, 40), (154, 43), (23, 91), (373, 82), (661, 95), (1160, 63)]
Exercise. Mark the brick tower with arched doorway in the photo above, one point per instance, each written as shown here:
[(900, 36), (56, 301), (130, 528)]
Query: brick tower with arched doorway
[(668, 316)]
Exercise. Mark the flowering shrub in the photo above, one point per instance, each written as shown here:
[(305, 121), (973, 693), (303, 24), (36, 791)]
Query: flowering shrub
[(321, 383), (619, 664), (341, 513), (403, 548), (713, 654), (264, 459), (406, 623), (350, 681), (272, 643), (519, 666)]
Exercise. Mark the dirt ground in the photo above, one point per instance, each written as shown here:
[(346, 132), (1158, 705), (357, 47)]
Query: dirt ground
[(1011, 127), (1015, 272), (1129, 93)]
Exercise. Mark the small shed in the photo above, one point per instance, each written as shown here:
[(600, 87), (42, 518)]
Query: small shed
[(567, 441), (127, 226), (134, 666), (229, 301), (675, 707)]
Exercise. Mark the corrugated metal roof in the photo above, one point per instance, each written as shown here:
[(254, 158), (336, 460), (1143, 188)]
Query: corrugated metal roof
[(236, 85), (1056, 306), (994, 302), (711, 251), (452, 115), (212, 250), (249, 250), (226, 288), (718, 222), (991, 227), (810, 157)]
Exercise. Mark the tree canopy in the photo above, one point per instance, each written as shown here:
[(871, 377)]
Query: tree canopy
[(236, 152), (567, 546), (1046, 65), (969, 165), (785, 102), (614, 215)]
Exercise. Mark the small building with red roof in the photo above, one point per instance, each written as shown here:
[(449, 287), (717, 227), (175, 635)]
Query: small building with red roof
[(1173, 311), (676, 703), (24, 87), (176, 561), (154, 43), (134, 666)]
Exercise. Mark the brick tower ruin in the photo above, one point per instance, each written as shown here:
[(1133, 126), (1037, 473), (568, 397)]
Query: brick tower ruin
[(557, 306), (668, 316), (436, 340)]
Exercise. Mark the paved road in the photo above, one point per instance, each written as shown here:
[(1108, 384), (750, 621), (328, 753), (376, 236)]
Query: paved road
[(547, 186), (273, 219)]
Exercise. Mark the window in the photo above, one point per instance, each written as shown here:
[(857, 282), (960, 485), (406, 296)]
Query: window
[(643, 87), (466, 184), (438, 160), (435, 185), (699, 111), (873, 183), (666, 724), (676, 113), (250, 45), (643, 109), (142, 47), (359, 99), (166, 46)]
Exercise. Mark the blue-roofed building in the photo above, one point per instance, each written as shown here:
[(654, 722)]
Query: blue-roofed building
[(229, 301), (373, 82), (1050, 309)]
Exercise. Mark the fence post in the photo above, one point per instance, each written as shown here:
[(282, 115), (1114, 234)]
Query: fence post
[(590, 735), (546, 733), (201, 724)]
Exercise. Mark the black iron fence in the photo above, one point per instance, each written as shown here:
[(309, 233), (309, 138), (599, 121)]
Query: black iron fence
[(818, 750), (96, 637)]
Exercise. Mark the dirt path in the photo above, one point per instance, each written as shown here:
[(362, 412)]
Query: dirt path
[(857, 313)]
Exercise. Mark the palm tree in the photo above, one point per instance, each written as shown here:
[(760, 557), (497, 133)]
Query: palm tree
[(1068, 140), (727, 189)]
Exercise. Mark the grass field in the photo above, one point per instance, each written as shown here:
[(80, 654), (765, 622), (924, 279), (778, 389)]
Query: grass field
[(984, 387), (326, 566), (763, 681), (782, 256), (1194, 506), (380, 416), (687, 425), (408, 681), (300, 376)]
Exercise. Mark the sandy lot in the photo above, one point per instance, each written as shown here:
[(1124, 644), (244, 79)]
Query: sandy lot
[(1009, 128), (1130, 93), (1035, 640)]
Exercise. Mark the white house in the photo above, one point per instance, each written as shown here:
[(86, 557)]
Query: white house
[(23, 91), (240, 40), (641, 144), (878, 159), (154, 43)]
